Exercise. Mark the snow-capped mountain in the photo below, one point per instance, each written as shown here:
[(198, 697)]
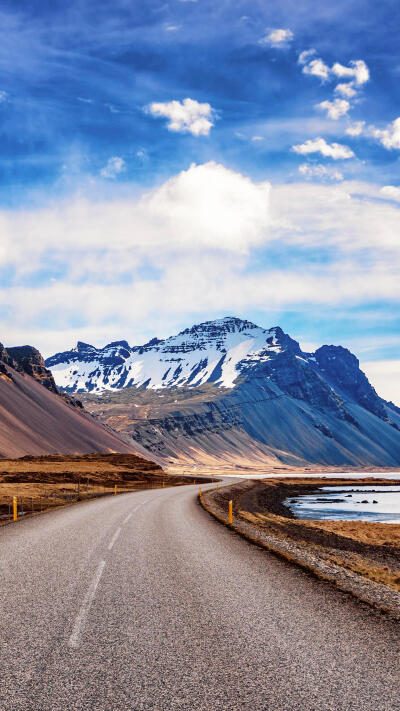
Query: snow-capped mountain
[(215, 351), (278, 403)]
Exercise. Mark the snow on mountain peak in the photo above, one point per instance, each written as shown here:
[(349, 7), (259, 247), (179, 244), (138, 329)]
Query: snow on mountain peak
[(213, 351)]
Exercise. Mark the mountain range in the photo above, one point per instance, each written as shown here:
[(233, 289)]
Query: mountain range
[(229, 391)]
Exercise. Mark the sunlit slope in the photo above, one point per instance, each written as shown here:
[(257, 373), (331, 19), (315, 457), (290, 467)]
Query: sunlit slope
[(254, 424), (34, 420)]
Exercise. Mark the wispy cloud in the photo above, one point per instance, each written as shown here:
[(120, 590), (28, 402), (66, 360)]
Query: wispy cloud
[(391, 191), (114, 167), (309, 170), (196, 235)]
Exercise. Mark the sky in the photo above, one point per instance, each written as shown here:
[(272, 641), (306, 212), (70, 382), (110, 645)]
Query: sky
[(167, 163)]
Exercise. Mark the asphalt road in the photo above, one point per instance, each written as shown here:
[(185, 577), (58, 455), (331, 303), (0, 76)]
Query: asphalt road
[(144, 602)]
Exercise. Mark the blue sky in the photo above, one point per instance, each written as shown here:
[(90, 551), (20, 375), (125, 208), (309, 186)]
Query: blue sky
[(166, 163)]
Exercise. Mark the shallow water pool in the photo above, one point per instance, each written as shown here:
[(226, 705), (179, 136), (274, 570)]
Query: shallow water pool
[(348, 503)]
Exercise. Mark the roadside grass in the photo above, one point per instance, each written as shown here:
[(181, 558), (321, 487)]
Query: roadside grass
[(359, 531), (47, 482)]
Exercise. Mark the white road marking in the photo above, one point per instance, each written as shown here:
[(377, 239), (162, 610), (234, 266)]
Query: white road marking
[(114, 538), (74, 639), (133, 511)]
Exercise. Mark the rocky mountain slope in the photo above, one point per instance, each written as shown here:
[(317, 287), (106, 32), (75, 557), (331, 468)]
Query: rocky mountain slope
[(215, 351), (35, 419), (230, 391)]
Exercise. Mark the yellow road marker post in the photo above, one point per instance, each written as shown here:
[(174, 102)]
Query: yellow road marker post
[(230, 514), (115, 490), (200, 494), (163, 484), (217, 487), (15, 508)]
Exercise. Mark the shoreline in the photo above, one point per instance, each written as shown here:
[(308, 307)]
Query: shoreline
[(367, 569)]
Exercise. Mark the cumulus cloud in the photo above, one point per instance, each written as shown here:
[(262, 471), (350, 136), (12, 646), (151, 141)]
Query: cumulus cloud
[(356, 128), (356, 70), (347, 90), (389, 137), (277, 38), (317, 68), (114, 167), (391, 191), (188, 116), (306, 55), (335, 109), (133, 267), (319, 171), (330, 150)]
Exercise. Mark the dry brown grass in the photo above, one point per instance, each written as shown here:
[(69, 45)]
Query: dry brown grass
[(42, 483)]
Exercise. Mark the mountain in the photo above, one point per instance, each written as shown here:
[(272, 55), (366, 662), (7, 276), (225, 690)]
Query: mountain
[(215, 351), (230, 391), (35, 419)]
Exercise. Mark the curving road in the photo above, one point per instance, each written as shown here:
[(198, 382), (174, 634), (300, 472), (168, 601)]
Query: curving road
[(144, 602)]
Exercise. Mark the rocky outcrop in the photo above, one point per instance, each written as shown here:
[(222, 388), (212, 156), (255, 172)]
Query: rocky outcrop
[(342, 369), (28, 360)]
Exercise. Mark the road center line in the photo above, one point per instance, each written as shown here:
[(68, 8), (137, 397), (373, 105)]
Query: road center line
[(133, 511), (114, 538), (74, 639)]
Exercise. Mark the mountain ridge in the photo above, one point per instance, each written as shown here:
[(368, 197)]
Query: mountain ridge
[(228, 389)]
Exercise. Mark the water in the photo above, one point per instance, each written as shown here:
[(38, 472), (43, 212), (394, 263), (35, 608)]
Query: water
[(349, 503)]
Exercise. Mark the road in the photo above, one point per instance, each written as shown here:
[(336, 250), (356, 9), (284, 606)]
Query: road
[(143, 601)]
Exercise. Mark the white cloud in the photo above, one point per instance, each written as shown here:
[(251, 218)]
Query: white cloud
[(391, 191), (257, 138), (114, 167), (356, 128), (188, 116), (317, 68), (172, 28), (357, 70), (330, 150), (3, 96), (319, 171), (347, 90), (306, 55), (385, 377), (335, 109), (277, 38), (206, 206), (389, 137), (194, 235)]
